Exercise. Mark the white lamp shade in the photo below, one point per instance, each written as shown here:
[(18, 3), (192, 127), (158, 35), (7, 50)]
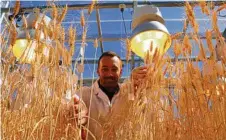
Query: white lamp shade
[(24, 49), (146, 13), (149, 29), (22, 34), (32, 17)]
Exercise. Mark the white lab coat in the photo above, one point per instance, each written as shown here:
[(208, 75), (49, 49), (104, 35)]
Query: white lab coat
[(100, 108)]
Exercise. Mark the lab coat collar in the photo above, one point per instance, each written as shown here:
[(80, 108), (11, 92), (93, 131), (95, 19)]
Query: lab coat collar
[(97, 91)]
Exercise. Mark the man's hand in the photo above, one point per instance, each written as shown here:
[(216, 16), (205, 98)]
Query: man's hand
[(138, 74), (80, 111), (76, 111)]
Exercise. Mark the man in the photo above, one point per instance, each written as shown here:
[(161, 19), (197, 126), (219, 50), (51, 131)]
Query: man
[(103, 97)]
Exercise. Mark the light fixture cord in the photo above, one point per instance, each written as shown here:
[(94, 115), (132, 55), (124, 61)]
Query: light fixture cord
[(122, 10)]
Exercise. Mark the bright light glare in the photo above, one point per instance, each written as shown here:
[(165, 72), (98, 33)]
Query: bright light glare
[(140, 43)]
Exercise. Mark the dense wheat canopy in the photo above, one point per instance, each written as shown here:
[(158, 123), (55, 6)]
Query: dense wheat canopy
[(182, 97)]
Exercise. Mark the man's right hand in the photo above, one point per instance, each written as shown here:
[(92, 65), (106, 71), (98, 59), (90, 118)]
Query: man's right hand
[(76, 111), (138, 74), (81, 111)]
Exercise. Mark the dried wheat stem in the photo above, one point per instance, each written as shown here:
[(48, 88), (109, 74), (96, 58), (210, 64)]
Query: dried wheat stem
[(16, 8)]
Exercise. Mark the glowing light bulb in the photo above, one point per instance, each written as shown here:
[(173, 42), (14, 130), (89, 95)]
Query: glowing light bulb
[(141, 43), (24, 50)]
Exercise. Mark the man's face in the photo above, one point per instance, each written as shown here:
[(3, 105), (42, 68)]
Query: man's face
[(109, 71)]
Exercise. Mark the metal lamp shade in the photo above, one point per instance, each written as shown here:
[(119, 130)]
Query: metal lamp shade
[(24, 49)]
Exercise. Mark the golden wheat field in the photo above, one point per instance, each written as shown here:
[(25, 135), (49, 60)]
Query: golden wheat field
[(189, 104)]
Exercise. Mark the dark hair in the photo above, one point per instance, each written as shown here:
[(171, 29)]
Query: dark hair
[(110, 54)]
